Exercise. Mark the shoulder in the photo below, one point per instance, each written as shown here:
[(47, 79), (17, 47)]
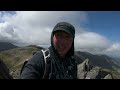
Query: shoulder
[(36, 59), (34, 68)]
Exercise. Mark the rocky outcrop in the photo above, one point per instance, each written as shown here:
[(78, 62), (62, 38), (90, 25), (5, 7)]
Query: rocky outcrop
[(103, 61), (87, 71), (4, 71), (109, 76)]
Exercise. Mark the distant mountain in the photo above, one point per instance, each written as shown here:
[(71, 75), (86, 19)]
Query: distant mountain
[(6, 46), (35, 46), (116, 58), (97, 60)]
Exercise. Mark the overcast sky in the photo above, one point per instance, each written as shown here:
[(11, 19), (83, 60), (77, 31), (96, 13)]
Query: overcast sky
[(24, 28)]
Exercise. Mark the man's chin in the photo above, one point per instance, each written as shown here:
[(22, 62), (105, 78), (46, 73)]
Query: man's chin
[(61, 53), (62, 56)]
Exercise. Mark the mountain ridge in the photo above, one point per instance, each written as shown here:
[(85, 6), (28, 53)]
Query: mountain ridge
[(14, 59), (6, 46)]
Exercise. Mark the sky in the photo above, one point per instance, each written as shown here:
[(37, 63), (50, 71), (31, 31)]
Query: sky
[(97, 32)]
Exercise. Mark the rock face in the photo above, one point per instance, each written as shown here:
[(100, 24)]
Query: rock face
[(108, 77), (88, 71), (4, 71)]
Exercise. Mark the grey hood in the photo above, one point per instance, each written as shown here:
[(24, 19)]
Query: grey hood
[(68, 28)]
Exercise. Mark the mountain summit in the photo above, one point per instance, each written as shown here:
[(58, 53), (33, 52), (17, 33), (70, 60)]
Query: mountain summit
[(6, 46)]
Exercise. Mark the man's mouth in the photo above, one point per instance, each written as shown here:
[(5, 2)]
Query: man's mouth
[(61, 49)]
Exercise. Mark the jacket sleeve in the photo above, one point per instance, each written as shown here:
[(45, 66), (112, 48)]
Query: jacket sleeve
[(34, 68)]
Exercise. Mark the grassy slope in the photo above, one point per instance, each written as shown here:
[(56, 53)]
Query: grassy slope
[(15, 58)]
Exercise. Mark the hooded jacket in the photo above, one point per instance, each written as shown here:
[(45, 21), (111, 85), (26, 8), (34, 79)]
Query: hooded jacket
[(59, 69)]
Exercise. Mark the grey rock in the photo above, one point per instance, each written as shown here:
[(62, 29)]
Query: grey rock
[(83, 68), (109, 76), (86, 70), (93, 73)]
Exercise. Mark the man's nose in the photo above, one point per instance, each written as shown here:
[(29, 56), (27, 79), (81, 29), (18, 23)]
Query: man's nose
[(63, 41)]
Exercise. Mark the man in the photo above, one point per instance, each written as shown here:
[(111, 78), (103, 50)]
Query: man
[(61, 61)]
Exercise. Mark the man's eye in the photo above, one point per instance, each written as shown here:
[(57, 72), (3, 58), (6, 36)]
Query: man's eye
[(67, 36), (58, 34)]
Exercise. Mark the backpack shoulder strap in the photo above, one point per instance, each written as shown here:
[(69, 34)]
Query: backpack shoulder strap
[(46, 55), (23, 66)]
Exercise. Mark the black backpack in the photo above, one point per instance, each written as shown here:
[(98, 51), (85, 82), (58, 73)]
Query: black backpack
[(46, 55)]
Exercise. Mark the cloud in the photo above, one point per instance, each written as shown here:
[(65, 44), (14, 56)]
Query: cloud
[(7, 33), (114, 50), (96, 44), (92, 42), (34, 27)]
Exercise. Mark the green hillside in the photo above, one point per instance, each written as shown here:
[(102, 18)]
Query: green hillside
[(15, 58)]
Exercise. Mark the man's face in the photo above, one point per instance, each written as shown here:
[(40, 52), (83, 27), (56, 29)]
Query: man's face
[(62, 42)]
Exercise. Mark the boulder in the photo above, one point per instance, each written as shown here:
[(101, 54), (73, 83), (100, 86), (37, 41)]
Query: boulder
[(86, 70), (109, 76)]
